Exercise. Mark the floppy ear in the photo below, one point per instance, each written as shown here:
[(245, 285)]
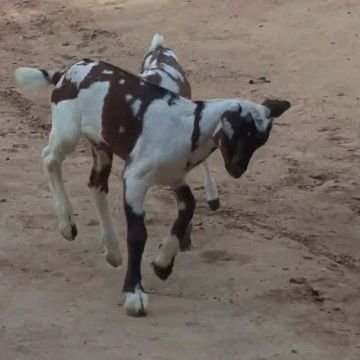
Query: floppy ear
[(276, 107)]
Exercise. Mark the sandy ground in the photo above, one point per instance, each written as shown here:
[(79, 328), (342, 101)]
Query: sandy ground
[(274, 274)]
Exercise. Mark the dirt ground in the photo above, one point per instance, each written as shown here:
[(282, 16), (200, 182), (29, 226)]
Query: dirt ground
[(274, 274)]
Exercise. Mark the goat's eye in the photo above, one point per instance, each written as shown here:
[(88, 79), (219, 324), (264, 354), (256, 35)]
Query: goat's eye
[(249, 133)]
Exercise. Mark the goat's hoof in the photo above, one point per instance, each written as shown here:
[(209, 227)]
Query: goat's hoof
[(114, 258), (69, 231), (136, 303), (214, 204), (163, 272)]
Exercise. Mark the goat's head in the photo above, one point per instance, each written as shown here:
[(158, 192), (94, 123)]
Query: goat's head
[(245, 130)]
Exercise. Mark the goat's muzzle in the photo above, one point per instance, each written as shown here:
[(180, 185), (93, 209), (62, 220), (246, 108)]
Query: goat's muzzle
[(235, 171)]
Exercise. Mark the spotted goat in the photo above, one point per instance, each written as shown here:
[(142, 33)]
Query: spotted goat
[(160, 66), (161, 136)]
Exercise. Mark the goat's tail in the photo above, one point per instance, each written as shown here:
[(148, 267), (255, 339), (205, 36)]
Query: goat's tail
[(157, 41), (33, 78)]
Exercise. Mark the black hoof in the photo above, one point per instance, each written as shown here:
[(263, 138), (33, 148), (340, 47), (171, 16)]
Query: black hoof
[(163, 273), (74, 231), (185, 244), (136, 314), (214, 204)]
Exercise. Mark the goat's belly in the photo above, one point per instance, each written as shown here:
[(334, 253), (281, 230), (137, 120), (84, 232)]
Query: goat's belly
[(168, 174)]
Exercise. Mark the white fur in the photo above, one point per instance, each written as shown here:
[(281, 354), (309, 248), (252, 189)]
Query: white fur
[(157, 40), (170, 53), (31, 78), (259, 113), (108, 72), (168, 250), (135, 106), (162, 159), (149, 61), (181, 206), (166, 81), (109, 235), (172, 71), (228, 130), (136, 187), (78, 71), (90, 102), (64, 135), (210, 186), (136, 303)]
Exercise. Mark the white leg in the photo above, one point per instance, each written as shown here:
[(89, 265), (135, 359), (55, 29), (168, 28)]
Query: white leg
[(64, 135), (210, 186), (98, 183), (63, 208), (109, 235), (167, 252)]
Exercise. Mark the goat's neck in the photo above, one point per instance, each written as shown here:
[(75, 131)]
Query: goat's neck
[(213, 113)]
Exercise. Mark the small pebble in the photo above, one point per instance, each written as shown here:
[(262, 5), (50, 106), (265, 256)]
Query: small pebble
[(298, 280), (93, 222)]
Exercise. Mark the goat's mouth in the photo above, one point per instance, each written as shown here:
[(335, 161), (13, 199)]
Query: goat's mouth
[(235, 171)]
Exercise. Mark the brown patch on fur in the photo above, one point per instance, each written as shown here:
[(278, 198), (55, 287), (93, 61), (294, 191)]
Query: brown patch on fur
[(67, 91), (179, 229), (99, 176), (56, 77), (153, 78), (117, 110)]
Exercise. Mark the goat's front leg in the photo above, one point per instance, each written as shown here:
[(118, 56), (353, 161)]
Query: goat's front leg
[(210, 186), (180, 233), (136, 303), (98, 183)]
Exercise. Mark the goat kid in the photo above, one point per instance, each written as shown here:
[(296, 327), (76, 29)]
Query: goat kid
[(160, 135), (160, 66)]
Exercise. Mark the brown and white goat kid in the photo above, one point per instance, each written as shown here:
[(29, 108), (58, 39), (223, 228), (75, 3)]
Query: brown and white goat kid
[(160, 135), (160, 66)]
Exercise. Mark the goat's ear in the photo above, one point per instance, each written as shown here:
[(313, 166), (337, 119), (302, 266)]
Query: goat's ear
[(276, 107)]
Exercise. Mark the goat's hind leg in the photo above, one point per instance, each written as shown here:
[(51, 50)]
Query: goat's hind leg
[(64, 136), (98, 183)]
